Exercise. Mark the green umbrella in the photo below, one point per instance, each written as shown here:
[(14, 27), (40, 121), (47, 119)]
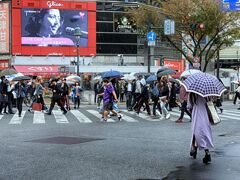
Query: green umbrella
[(6, 72)]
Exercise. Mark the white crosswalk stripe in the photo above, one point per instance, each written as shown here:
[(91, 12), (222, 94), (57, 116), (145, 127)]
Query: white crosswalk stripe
[(99, 116), (142, 115), (177, 114), (226, 115), (81, 117), (59, 116), (1, 116), (16, 119), (38, 117), (128, 116)]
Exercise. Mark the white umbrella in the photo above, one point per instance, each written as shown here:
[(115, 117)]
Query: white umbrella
[(127, 77), (12, 76), (97, 78), (73, 78), (189, 72)]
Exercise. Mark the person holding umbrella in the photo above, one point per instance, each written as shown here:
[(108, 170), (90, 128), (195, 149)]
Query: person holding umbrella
[(183, 97), (202, 87), (20, 90)]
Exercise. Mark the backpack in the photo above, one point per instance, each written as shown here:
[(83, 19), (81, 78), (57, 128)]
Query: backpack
[(155, 92)]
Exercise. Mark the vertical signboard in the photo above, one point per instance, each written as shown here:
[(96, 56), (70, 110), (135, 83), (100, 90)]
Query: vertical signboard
[(231, 5), (4, 28)]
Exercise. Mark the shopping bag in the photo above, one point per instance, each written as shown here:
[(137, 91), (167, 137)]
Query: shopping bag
[(115, 107), (212, 113), (37, 106)]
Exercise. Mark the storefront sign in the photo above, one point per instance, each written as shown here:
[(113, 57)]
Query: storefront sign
[(4, 27)]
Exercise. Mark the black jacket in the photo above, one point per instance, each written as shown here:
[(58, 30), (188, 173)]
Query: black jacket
[(57, 91)]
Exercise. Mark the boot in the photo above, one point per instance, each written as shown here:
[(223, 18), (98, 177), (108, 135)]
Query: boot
[(207, 158), (193, 152)]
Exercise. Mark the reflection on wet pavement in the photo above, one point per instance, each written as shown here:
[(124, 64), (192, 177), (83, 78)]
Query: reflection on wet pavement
[(224, 166)]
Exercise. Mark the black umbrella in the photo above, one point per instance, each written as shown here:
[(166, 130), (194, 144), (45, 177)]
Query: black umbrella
[(163, 69), (21, 78), (166, 72), (6, 72), (174, 80)]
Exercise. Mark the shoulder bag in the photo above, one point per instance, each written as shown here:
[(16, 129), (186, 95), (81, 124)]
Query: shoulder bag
[(212, 113)]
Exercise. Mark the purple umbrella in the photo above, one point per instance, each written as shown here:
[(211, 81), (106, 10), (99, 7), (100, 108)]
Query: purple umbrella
[(204, 85)]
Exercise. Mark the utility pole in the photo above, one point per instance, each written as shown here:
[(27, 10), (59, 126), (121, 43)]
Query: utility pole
[(218, 64)]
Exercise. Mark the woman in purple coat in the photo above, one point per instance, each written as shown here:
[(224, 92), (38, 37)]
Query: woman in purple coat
[(201, 127)]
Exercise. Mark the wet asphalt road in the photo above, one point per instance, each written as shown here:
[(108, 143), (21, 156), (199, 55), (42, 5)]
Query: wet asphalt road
[(122, 150)]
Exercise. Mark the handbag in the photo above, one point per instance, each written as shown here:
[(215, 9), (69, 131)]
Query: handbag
[(212, 113), (3, 98), (37, 106)]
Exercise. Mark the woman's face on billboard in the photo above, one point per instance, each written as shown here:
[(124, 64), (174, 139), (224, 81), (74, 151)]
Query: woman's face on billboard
[(51, 22)]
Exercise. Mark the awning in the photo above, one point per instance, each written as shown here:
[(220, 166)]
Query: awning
[(38, 70)]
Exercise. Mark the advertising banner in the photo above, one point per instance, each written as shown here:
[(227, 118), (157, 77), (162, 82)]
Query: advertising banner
[(53, 27), (4, 27)]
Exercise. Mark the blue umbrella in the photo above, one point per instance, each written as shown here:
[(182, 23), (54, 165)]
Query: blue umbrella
[(151, 78), (204, 85), (109, 74)]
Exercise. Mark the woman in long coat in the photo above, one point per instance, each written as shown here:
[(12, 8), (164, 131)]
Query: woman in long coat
[(201, 127)]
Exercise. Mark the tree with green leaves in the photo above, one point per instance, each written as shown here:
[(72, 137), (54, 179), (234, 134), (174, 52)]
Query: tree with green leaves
[(195, 21)]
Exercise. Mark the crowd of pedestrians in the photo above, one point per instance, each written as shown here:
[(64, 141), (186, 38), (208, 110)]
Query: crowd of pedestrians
[(15, 93), (163, 94), (139, 95)]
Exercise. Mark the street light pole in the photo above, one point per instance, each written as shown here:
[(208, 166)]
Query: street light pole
[(77, 34)]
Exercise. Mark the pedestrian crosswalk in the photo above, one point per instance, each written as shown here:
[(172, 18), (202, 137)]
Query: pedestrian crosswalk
[(93, 116)]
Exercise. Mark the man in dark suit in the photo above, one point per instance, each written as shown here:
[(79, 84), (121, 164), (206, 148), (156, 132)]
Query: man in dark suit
[(56, 97)]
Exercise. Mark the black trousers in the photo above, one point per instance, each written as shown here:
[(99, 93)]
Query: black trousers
[(53, 102), (184, 109), (129, 100), (156, 104), (3, 105), (237, 95), (19, 105), (140, 104)]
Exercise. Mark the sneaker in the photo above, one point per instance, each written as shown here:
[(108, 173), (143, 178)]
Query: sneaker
[(162, 117), (168, 116), (158, 113), (104, 120), (65, 112), (120, 117), (179, 121)]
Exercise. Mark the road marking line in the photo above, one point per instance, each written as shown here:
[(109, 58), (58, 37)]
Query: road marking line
[(60, 117), (17, 120), (99, 116), (80, 116), (222, 116), (178, 113), (128, 118), (141, 115), (38, 117), (237, 112)]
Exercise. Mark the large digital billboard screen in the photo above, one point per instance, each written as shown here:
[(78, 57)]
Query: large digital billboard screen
[(231, 5), (53, 27)]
